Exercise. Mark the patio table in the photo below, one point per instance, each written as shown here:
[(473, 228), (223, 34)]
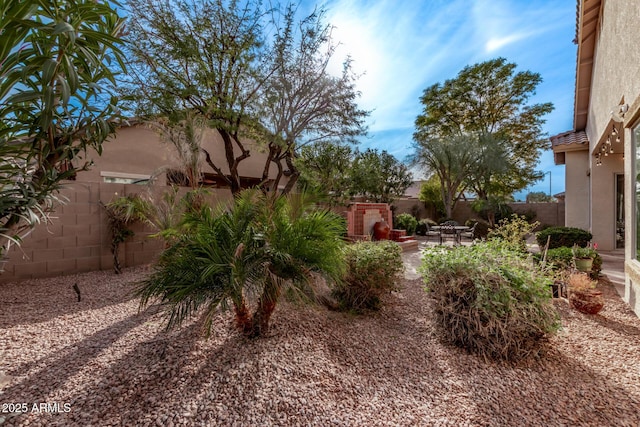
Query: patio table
[(457, 229)]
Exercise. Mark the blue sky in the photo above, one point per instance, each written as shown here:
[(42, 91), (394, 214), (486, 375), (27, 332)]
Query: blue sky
[(402, 47)]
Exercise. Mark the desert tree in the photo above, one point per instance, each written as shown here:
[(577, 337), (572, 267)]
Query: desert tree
[(208, 57), (253, 73), (451, 160), (58, 63), (302, 102), (489, 102), (325, 170), (379, 176)]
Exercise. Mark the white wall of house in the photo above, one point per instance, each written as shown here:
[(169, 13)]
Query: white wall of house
[(577, 189)]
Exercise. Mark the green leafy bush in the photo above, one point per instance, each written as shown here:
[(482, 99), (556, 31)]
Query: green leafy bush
[(513, 231), (563, 236), (562, 258), (423, 226), (407, 222), (482, 229), (490, 299), (373, 268)]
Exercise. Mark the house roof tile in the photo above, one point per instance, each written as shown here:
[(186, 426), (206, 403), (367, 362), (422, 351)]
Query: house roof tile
[(568, 138)]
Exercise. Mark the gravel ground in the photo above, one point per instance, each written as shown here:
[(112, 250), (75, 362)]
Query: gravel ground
[(101, 362)]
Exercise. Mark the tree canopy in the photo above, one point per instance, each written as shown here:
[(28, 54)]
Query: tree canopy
[(379, 177), (58, 66), (253, 73), (338, 173), (486, 105)]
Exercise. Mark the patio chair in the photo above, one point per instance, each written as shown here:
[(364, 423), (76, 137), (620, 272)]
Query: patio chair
[(432, 233), (470, 233)]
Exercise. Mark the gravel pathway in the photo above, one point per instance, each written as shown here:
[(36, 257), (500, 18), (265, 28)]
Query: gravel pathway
[(101, 362)]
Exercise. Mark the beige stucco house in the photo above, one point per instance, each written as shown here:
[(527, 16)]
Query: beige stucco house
[(137, 152), (601, 153)]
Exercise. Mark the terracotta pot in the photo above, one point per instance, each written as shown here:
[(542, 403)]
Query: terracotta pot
[(589, 301), (381, 230)]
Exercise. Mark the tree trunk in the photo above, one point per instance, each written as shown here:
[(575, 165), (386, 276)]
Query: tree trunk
[(266, 306), (293, 178), (115, 249), (243, 318)]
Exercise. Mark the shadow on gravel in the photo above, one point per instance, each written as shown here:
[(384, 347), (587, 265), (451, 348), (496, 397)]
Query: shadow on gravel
[(40, 300), (189, 369), (53, 371), (556, 391)]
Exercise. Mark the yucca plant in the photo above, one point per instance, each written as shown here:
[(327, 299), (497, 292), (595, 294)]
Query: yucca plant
[(245, 253)]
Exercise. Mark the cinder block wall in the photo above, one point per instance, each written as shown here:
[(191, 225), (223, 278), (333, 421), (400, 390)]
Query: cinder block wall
[(78, 240), (546, 213)]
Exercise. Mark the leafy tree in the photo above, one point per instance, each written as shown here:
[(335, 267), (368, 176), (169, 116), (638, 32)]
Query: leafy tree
[(539, 197), (208, 57), (301, 102), (431, 195), (324, 169), (58, 66), (378, 176), (259, 246), (247, 72), (487, 102), (450, 159)]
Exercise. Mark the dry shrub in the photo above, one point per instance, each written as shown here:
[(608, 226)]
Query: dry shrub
[(490, 300), (583, 294)]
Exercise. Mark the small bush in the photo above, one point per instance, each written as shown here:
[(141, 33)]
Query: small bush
[(563, 236), (423, 226), (562, 259), (513, 231), (407, 222), (490, 299), (373, 269)]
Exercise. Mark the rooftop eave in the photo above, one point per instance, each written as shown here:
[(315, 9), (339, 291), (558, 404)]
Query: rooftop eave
[(587, 30)]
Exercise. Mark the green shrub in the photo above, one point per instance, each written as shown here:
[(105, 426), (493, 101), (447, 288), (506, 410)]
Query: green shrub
[(513, 232), (407, 222), (563, 236), (373, 268), (562, 258), (482, 229), (423, 226), (490, 299)]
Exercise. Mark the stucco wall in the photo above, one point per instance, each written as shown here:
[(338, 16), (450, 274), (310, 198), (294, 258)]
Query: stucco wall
[(577, 189), (616, 75), (139, 150), (616, 68)]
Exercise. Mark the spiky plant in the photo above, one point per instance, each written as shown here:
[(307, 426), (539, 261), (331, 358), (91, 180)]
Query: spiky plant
[(249, 251)]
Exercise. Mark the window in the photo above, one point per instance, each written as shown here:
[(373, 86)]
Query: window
[(124, 178)]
